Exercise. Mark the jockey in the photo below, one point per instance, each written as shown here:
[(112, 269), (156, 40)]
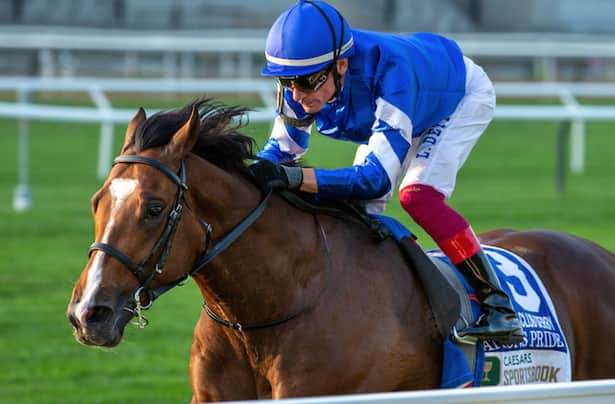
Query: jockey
[(415, 105)]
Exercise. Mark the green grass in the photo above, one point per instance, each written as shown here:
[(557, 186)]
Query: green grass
[(507, 182)]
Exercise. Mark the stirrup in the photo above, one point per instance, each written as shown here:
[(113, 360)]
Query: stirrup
[(510, 338), (466, 339)]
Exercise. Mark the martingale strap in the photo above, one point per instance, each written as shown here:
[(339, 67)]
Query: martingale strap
[(245, 327), (272, 323), (232, 235), (222, 245)]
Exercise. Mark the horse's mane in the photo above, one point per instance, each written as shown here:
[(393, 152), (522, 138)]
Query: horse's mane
[(219, 141), (221, 144)]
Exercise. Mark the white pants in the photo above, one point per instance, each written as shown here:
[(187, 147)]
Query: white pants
[(439, 153)]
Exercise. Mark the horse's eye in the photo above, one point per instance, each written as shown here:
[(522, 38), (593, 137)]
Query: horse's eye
[(154, 210)]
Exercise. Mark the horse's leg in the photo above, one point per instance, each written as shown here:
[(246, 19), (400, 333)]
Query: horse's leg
[(580, 277), (218, 369)]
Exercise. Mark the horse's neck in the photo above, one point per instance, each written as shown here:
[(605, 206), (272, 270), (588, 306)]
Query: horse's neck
[(267, 271)]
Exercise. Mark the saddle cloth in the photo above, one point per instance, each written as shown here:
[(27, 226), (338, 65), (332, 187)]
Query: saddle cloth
[(542, 357)]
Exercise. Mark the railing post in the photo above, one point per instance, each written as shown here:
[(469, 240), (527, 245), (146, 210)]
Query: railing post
[(187, 65), (169, 64), (46, 63), (577, 146), (577, 138), (22, 197), (105, 142), (226, 67), (561, 156), (105, 148)]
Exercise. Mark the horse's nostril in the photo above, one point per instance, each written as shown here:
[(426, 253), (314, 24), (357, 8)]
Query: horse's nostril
[(73, 320), (98, 314)]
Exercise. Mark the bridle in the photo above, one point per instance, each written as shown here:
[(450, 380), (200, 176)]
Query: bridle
[(165, 241)]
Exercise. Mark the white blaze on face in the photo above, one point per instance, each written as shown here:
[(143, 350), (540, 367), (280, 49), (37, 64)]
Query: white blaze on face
[(120, 189)]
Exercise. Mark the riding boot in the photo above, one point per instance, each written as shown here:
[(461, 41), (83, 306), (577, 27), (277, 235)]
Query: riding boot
[(499, 322)]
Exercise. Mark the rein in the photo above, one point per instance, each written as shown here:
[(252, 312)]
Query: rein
[(165, 241), (265, 324)]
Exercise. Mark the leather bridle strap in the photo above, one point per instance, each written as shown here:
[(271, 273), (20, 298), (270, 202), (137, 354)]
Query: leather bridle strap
[(180, 179), (241, 327), (220, 246), (232, 235), (164, 242), (266, 324), (137, 270)]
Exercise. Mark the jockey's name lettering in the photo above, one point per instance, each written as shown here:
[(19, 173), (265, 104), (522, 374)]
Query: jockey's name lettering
[(515, 359), (532, 374), (430, 137), (529, 320), (545, 339)]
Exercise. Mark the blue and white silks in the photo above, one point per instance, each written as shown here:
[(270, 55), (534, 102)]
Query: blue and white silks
[(396, 87)]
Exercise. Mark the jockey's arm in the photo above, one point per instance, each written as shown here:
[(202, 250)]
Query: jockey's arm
[(376, 170), (365, 181)]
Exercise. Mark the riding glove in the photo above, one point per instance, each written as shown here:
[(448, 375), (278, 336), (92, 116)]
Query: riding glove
[(274, 176)]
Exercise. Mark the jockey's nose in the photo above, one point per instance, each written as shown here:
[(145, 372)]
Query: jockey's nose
[(298, 93)]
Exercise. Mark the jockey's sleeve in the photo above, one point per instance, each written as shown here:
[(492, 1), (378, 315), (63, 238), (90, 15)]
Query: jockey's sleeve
[(381, 168), (286, 143), (359, 182)]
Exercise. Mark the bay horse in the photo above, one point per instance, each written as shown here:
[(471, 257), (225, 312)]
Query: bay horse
[(309, 304)]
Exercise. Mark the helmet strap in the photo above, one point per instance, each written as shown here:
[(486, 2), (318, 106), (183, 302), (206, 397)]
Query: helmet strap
[(337, 47), (338, 82)]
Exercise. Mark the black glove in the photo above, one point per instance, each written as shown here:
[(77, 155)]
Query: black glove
[(274, 176)]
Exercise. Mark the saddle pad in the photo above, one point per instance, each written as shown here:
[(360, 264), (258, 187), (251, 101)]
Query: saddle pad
[(543, 356)]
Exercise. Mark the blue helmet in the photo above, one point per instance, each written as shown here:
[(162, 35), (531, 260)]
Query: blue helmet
[(305, 39)]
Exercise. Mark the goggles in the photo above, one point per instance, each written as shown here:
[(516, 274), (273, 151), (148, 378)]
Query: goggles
[(310, 82)]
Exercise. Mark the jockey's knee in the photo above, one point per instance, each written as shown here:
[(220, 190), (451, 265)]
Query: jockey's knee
[(428, 209), (420, 201)]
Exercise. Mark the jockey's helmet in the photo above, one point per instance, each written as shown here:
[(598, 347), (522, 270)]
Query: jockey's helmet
[(306, 38)]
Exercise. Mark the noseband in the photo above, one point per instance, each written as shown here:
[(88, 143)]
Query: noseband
[(165, 241)]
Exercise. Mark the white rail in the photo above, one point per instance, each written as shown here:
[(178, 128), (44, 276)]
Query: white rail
[(569, 112), (590, 392), (55, 47)]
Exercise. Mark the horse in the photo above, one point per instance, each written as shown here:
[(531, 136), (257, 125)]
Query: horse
[(296, 303)]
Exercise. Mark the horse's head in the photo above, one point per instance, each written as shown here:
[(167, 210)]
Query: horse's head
[(146, 235)]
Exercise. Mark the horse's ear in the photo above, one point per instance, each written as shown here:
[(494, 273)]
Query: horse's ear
[(134, 123), (185, 138)]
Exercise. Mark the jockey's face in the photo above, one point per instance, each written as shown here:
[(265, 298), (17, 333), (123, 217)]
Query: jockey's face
[(312, 101)]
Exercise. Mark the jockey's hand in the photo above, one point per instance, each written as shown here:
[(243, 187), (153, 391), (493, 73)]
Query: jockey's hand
[(269, 175)]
